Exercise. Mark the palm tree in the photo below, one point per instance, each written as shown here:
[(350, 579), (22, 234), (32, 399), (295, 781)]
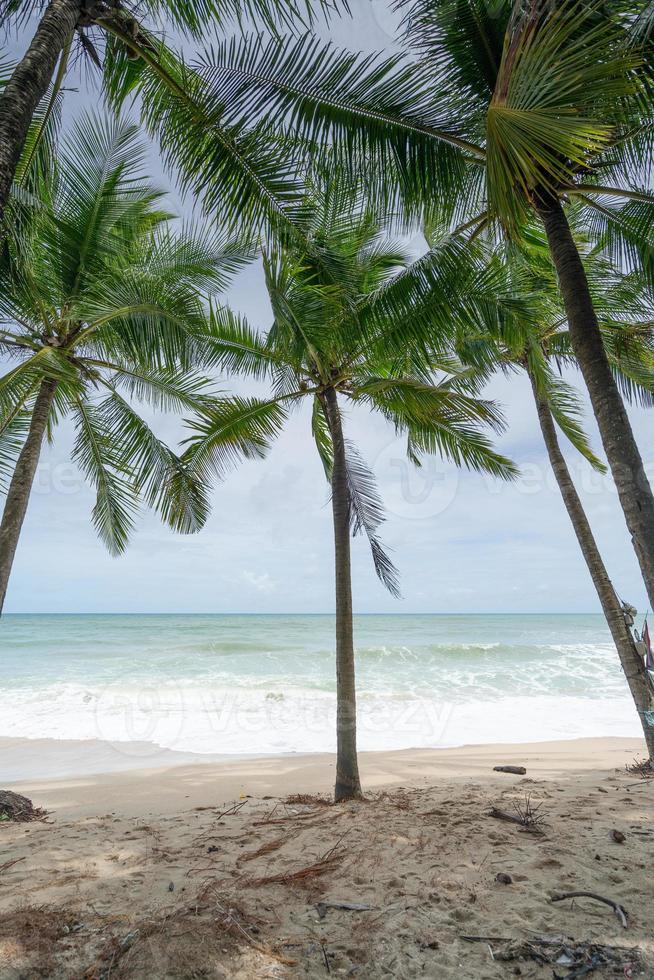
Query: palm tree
[(100, 306), (502, 109), (348, 329), (540, 343), (132, 34)]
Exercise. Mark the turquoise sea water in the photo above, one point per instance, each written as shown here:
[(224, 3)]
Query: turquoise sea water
[(265, 684)]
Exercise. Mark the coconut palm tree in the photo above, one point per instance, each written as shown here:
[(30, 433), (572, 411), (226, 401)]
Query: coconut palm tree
[(348, 329), (100, 307), (502, 109), (540, 345), (131, 31)]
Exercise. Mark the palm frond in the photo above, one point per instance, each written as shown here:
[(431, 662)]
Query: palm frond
[(159, 475), (565, 78), (13, 432), (234, 429), (322, 437), (372, 114), (565, 406), (116, 507), (236, 348), (367, 514)]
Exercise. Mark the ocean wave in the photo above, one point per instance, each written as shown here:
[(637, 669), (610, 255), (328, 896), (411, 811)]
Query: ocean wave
[(260, 685), (197, 719)]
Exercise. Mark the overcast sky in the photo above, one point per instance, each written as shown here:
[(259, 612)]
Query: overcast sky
[(463, 542)]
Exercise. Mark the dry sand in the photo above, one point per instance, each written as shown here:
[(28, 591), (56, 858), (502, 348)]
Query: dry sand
[(207, 871)]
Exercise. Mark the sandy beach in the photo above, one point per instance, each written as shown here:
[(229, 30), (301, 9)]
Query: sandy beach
[(231, 869)]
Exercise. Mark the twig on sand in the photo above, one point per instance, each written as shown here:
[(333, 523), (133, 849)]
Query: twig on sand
[(272, 845), (10, 864), (331, 850), (311, 871), (231, 924), (527, 815), (307, 818), (325, 958), (322, 908), (619, 910), (486, 939), (641, 767)]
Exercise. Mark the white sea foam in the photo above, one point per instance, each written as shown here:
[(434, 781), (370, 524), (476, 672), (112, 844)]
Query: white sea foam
[(195, 718), (259, 685)]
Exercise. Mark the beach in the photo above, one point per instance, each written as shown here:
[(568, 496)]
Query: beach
[(185, 768), (231, 868)]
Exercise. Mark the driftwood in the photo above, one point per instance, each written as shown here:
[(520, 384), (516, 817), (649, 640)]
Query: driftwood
[(619, 910), (516, 770)]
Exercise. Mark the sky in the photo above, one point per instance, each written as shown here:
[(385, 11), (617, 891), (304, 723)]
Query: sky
[(463, 542)]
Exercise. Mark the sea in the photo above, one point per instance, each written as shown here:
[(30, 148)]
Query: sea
[(253, 685)]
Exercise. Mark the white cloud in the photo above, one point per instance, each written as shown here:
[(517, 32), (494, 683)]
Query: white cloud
[(262, 583)]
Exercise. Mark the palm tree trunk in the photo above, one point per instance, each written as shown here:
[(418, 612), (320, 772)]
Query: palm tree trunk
[(623, 455), (29, 83), (348, 784), (20, 487), (632, 662)]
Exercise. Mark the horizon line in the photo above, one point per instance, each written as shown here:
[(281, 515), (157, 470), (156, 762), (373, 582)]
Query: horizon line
[(453, 613)]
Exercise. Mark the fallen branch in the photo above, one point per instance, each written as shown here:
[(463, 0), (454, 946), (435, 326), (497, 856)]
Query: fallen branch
[(618, 909)]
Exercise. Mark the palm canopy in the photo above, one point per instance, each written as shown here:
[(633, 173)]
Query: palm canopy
[(540, 342), (357, 332), (494, 103), (99, 296), (190, 16), (129, 43)]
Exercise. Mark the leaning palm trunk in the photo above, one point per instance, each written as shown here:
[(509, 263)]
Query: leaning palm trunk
[(632, 662), (348, 784), (623, 455), (28, 85), (20, 487)]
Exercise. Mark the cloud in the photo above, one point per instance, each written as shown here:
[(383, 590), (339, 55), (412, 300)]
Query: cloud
[(262, 583)]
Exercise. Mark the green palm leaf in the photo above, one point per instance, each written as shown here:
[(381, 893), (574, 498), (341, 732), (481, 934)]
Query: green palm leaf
[(367, 514)]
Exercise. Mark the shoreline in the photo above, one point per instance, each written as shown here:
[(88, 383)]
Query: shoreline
[(180, 780)]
